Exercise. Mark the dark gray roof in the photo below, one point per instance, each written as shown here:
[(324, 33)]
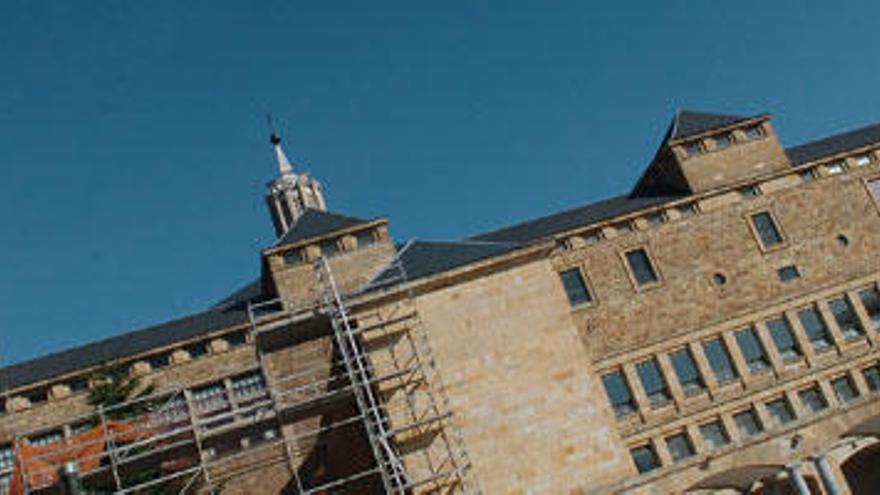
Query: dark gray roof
[(250, 292), (832, 145), (315, 223), (687, 123), (120, 347), (547, 226), (424, 258)]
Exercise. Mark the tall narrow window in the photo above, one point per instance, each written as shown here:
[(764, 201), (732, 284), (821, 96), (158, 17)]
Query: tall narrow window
[(783, 338), (872, 377), (686, 370), (679, 446), (641, 267), (814, 326), (719, 360), (653, 382), (780, 410), (747, 423), (645, 458), (844, 389), (714, 435), (619, 394), (812, 399), (870, 298), (7, 457), (766, 228), (575, 287), (846, 317), (751, 349)]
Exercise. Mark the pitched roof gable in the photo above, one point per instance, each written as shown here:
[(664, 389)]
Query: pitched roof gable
[(832, 145)]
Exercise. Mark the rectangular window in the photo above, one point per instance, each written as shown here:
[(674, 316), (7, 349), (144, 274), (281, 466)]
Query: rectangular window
[(693, 148), (686, 370), (844, 389), (874, 187), (624, 227), (655, 218), (863, 159), (575, 287), (788, 273), (46, 438), (872, 377), (751, 349), (749, 192), (780, 410), (783, 338), (686, 210), (7, 457), (837, 167), (808, 175), (719, 360), (846, 317), (365, 238), (766, 228), (814, 326), (236, 339), (329, 248), (714, 435), (754, 132), (679, 446), (653, 382), (78, 384), (870, 298), (747, 423), (292, 257), (159, 361), (723, 140), (640, 266), (645, 458), (592, 237), (197, 349), (812, 399), (619, 394)]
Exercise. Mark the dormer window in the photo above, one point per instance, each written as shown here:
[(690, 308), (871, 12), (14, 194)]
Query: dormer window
[(723, 141), (693, 148), (754, 132)]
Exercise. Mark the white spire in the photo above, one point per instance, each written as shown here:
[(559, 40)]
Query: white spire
[(284, 166)]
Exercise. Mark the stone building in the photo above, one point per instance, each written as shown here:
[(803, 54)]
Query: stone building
[(714, 330)]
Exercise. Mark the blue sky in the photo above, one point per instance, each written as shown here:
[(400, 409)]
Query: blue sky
[(134, 149)]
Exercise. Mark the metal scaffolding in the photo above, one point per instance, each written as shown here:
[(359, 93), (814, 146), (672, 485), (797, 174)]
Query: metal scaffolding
[(379, 387)]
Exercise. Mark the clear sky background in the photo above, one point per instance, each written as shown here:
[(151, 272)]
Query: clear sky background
[(134, 150)]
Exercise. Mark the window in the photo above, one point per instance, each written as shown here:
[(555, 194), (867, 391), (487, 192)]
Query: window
[(653, 382), (788, 273), (783, 338), (719, 279), (863, 159), (236, 339), (874, 187), (814, 326), (592, 236), (82, 426), (365, 238), (747, 423), (807, 175), (7, 457), (723, 140), (872, 377), (693, 148), (714, 435), (78, 384), (836, 167), (210, 399), (751, 349), (248, 385), (197, 349), (5, 481), (640, 266), (719, 360), (844, 389), (686, 370), (780, 410), (159, 361), (618, 393), (575, 287), (754, 132), (870, 298), (766, 229), (46, 438), (292, 257), (37, 396), (329, 248), (655, 218), (679, 446), (812, 399), (645, 458), (686, 210), (846, 317), (749, 192)]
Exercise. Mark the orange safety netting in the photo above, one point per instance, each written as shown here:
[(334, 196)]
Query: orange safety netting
[(41, 463)]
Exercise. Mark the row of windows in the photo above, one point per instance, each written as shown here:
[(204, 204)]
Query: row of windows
[(748, 423), (156, 361), (782, 335), (330, 247), (723, 140)]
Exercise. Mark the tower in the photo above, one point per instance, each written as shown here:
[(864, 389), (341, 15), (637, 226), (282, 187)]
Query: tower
[(291, 194)]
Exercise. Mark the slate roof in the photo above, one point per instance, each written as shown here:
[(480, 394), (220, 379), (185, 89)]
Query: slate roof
[(315, 223), (425, 258), (832, 145), (549, 225), (688, 123)]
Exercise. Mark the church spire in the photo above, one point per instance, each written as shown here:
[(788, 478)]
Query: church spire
[(291, 194)]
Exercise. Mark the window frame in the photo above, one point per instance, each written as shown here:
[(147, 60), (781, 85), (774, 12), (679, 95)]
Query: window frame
[(721, 137), (649, 448), (788, 273), (718, 425), (786, 404), (853, 389), (875, 317), (686, 442), (756, 233), (760, 427), (754, 132), (619, 412), (735, 374), (653, 364), (826, 331), (585, 282), (789, 354), (747, 337), (814, 388), (697, 384), (652, 264), (874, 195), (850, 332)]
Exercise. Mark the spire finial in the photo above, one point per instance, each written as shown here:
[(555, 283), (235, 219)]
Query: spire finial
[(284, 166)]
